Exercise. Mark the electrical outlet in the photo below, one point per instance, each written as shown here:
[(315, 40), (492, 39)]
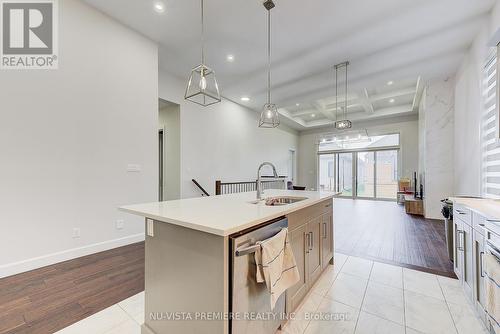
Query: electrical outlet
[(76, 233), (120, 224), (150, 227)]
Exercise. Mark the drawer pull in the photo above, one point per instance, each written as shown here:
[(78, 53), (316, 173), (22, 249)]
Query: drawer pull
[(481, 263)]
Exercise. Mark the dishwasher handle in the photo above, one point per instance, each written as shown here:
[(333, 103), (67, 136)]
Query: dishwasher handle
[(251, 249), (248, 250)]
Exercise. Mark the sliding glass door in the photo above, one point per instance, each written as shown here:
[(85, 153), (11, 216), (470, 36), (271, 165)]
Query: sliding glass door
[(361, 174), (344, 177), (387, 174), (365, 174), (327, 172), (336, 173)]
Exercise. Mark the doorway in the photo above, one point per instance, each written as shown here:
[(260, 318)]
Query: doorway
[(168, 151), (161, 168), (291, 166)]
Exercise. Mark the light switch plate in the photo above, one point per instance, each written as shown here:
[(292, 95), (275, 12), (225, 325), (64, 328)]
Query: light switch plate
[(76, 232), (134, 168), (120, 224), (150, 231)]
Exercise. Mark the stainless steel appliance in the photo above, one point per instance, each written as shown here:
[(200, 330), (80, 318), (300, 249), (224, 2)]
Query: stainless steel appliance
[(492, 229), (250, 301), (447, 211)]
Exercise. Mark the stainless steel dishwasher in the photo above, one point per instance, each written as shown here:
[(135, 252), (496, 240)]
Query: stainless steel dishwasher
[(249, 301)]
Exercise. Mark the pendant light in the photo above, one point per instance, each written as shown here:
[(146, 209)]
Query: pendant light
[(269, 117), (202, 87), (344, 123)]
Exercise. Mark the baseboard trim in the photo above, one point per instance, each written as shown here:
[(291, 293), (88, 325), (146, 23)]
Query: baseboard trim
[(46, 260)]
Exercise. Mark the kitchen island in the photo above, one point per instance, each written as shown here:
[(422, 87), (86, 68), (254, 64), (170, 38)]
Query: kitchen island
[(189, 275)]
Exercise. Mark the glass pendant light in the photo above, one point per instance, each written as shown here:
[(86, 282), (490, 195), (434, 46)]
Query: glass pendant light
[(202, 87), (344, 123), (269, 117)]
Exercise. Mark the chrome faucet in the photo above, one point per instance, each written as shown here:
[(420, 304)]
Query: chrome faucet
[(260, 192)]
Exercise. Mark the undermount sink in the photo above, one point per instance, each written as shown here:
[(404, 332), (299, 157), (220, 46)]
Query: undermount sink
[(282, 200)]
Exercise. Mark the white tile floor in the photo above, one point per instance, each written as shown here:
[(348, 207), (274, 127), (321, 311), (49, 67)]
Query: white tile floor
[(367, 297)]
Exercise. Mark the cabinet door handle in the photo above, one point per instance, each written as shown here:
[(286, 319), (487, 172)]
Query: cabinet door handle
[(324, 231), (311, 237), (481, 263), (461, 243)]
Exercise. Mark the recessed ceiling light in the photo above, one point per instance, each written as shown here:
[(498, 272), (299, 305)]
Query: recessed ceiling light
[(297, 104), (313, 115), (390, 83), (323, 140), (392, 101), (159, 7), (230, 58), (245, 99)]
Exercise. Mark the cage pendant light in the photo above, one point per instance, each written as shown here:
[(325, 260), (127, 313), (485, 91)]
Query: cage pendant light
[(269, 117), (202, 87), (343, 123)]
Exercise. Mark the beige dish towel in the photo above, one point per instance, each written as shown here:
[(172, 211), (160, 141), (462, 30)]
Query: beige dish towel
[(492, 280), (276, 265)]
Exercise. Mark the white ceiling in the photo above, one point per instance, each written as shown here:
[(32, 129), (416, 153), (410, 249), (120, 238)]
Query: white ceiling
[(385, 40)]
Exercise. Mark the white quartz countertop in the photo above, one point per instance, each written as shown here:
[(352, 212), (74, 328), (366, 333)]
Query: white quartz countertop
[(488, 208), (225, 214)]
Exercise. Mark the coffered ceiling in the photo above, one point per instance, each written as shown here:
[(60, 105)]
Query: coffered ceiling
[(403, 41), (390, 99)]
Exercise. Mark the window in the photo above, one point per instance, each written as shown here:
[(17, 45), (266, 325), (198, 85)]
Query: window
[(356, 142), (490, 147)]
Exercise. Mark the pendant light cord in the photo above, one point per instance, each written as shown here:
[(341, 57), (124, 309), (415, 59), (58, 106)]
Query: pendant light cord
[(336, 93), (345, 107), (268, 56), (202, 33)]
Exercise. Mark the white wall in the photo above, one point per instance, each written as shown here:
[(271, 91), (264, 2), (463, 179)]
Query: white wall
[(170, 121), (436, 133), (421, 139), (66, 137), (407, 127), (468, 110), (223, 142)]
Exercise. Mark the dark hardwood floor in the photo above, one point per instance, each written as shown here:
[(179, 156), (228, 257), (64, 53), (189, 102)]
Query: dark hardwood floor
[(382, 231), (48, 299)]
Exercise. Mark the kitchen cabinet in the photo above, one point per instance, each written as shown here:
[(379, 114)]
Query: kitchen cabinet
[(479, 289), (469, 248), (314, 229), (468, 272), (298, 239), (327, 239), (458, 260), (463, 264), (311, 239)]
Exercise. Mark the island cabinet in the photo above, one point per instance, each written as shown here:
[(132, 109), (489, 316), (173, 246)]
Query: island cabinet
[(311, 239)]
